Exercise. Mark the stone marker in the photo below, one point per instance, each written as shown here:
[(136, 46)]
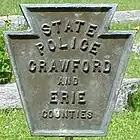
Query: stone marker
[(68, 68)]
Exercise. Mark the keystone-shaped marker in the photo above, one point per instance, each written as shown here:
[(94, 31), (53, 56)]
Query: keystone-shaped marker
[(68, 67)]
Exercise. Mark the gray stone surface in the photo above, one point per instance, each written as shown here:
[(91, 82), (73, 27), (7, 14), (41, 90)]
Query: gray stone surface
[(119, 17), (129, 86), (9, 97), (136, 47), (127, 16), (14, 21)]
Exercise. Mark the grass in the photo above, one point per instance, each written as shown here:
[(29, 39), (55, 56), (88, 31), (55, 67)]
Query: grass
[(11, 7), (123, 126), (135, 26), (133, 68)]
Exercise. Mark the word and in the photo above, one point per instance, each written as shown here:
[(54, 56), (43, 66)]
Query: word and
[(68, 81)]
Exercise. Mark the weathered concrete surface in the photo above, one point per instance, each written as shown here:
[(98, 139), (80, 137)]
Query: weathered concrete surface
[(9, 97), (119, 17), (136, 48), (126, 16), (14, 21)]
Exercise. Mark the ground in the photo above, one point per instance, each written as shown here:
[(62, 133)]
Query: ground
[(123, 126)]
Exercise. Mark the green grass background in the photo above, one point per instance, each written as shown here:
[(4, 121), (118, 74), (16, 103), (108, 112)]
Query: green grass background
[(9, 7), (123, 126)]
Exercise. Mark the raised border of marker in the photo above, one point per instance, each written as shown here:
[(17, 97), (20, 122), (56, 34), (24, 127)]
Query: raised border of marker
[(68, 67)]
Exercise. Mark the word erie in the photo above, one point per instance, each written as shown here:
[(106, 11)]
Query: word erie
[(67, 97)]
